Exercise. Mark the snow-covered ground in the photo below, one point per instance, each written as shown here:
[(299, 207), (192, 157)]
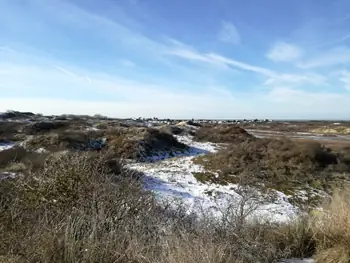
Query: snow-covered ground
[(6, 175), (173, 179), (305, 260), (5, 146)]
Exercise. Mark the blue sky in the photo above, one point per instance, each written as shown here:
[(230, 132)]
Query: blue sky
[(177, 58)]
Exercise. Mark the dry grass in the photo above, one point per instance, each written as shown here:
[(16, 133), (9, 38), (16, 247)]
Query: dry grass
[(331, 230), (178, 130), (77, 210), (296, 238), (73, 211), (222, 134), (9, 131), (332, 130), (141, 143), (18, 159), (126, 143), (279, 163), (41, 127), (66, 140)]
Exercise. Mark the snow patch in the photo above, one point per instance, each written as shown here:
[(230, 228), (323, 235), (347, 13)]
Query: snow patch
[(194, 149), (7, 175), (305, 260), (41, 150), (92, 129), (173, 179), (6, 145), (200, 147)]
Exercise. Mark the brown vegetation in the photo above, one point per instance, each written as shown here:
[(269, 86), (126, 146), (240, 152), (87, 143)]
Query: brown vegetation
[(331, 230), (45, 126), (18, 159), (178, 130), (66, 140), (16, 115), (279, 163), (141, 143), (76, 209), (86, 207), (9, 131), (299, 126), (222, 134)]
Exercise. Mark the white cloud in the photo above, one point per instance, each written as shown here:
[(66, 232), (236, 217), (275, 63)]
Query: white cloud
[(229, 33), (65, 71), (132, 98), (241, 65), (336, 56), (191, 54), (166, 98), (345, 79), (300, 104), (274, 78), (147, 99), (279, 103), (296, 79), (285, 52)]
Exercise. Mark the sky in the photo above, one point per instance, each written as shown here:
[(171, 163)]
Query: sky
[(222, 59)]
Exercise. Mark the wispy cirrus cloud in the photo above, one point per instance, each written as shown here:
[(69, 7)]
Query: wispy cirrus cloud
[(191, 54), (285, 52), (333, 57), (345, 79), (92, 60), (229, 33), (65, 71), (273, 78)]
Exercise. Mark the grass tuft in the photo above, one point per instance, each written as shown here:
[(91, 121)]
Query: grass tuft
[(331, 230)]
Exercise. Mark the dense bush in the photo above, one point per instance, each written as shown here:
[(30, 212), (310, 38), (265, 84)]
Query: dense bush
[(67, 140), (10, 130), (18, 159), (141, 143), (16, 115), (222, 134), (45, 126), (277, 162), (155, 140)]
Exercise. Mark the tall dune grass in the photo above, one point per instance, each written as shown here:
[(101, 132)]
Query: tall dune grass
[(331, 230)]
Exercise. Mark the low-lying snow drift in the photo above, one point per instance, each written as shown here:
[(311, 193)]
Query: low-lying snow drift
[(306, 260), (4, 146), (172, 179)]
